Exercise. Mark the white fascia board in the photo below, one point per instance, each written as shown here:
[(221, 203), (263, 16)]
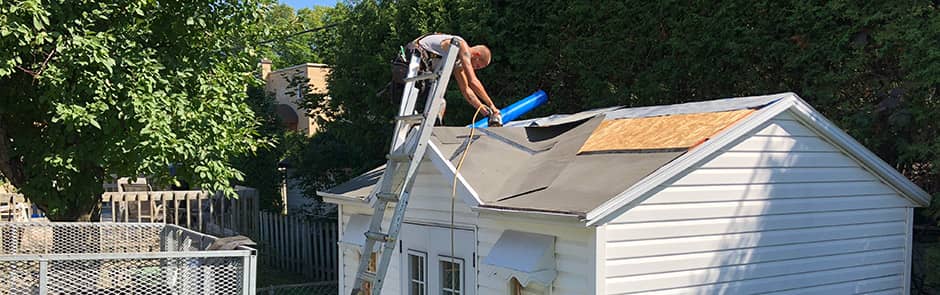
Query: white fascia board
[(340, 199), (528, 214), (678, 167), (859, 152), (448, 171)]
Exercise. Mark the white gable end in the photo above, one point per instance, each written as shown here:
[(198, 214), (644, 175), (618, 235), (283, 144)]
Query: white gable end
[(780, 209)]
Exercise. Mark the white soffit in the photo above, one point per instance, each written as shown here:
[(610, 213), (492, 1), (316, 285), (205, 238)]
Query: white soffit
[(526, 256)]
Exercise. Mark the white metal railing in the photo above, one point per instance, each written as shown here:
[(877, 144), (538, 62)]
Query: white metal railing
[(119, 258)]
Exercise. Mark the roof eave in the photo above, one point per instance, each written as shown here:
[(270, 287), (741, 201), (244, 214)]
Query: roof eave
[(340, 199), (708, 150), (860, 153)]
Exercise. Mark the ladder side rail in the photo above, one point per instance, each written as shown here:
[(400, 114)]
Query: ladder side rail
[(409, 96), (407, 107), (432, 109)]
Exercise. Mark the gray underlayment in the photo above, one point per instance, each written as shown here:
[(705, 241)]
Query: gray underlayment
[(534, 164)]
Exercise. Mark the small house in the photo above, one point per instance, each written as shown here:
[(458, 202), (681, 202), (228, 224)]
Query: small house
[(731, 196)]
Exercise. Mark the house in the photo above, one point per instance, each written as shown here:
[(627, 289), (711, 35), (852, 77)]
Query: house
[(289, 85), (732, 196)]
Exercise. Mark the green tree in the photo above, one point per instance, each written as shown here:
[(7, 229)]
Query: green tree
[(873, 67), (90, 89), (291, 43)]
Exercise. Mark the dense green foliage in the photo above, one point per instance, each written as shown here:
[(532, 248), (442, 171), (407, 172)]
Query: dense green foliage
[(290, 43), (94, 88), (873, 67)]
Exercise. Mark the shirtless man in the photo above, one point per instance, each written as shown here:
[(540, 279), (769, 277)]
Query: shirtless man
[(477, 57)]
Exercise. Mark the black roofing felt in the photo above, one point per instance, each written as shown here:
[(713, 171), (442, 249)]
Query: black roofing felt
[(538, 168), (534, 168)]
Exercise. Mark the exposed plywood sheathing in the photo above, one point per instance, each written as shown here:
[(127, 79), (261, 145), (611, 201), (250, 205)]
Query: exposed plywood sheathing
[(664, 132)]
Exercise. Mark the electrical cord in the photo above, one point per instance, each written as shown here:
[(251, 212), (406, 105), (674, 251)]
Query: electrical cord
[(453, 196)]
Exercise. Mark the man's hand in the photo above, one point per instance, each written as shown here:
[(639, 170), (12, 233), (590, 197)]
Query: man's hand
[(495, 117)]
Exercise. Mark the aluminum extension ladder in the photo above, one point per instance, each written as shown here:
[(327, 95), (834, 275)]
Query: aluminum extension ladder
[(409, 143)]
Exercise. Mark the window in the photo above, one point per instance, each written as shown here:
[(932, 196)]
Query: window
[(417, 273), (451, 276), (301, 89)]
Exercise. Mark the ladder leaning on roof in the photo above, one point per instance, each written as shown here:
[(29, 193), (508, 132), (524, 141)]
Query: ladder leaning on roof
[(409, 142)]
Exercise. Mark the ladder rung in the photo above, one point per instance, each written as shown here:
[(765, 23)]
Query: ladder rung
[(427, 76), (367, 276), (416, 118), (399, 157), (381, 237), (388, 197)]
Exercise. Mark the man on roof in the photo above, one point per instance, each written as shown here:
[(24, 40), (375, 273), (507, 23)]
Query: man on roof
[(470, 59)]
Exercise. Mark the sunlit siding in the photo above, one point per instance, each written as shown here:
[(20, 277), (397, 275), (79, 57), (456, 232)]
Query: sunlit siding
[(573, 252), (783, 210)]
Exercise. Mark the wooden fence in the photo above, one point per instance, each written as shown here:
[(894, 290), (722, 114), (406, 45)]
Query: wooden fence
[(205, 212), (300, 245), (14, 207)]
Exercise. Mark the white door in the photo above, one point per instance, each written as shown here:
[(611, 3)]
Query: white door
[(429, 267)]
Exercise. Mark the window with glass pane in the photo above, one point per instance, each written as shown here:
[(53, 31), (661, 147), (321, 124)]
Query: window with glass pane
[(451, 270), (418, 274)]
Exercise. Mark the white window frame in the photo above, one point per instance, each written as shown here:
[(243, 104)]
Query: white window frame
[(409, 279), (460, 263)]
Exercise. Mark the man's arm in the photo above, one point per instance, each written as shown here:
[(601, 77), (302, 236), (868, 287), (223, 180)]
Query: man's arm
[(468, 94)]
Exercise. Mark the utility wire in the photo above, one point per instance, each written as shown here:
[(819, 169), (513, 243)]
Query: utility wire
[(301, 33)]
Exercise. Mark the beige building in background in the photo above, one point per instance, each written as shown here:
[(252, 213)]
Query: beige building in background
[(279, 83)]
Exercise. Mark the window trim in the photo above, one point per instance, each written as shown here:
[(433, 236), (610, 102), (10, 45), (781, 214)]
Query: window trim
[(424, 257), (460, 262)]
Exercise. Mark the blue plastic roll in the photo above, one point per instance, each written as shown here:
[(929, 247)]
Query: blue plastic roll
[(518, 108)]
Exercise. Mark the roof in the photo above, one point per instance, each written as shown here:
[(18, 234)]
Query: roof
[(599, 162)]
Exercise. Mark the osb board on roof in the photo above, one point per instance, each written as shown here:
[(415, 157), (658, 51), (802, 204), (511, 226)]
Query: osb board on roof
[(665, 132)]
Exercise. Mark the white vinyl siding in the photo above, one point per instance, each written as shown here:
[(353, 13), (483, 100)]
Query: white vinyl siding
[(573, 253), (780, 211), (430, 203)]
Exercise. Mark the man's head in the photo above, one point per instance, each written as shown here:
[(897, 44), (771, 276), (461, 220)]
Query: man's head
[(480, 56)]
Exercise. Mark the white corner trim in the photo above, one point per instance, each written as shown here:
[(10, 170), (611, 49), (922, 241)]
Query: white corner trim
[(341, 259), (600, 259), (673, 170), (859, 152), (908, 251), (448, 170)]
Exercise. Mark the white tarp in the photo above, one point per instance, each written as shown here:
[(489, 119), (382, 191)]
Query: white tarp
[(526, 256)]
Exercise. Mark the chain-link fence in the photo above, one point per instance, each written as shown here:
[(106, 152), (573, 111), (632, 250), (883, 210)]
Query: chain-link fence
[(318, 288), (119, 258)]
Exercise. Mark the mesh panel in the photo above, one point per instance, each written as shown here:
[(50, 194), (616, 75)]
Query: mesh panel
[(90, 270), (19, 277), (73, 238), (147, 276)]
